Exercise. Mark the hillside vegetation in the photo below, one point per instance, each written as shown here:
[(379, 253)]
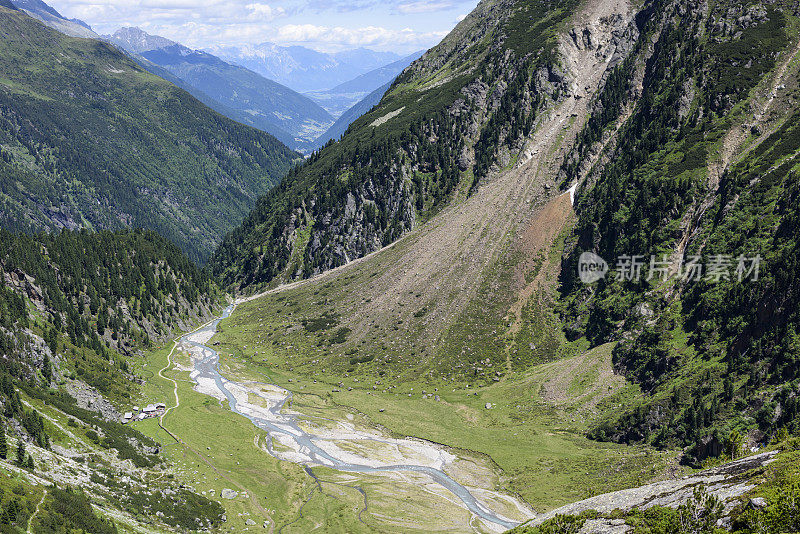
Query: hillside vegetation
[(89, 139), (702, 171), (77, 309), (77, 304), (440, 129)]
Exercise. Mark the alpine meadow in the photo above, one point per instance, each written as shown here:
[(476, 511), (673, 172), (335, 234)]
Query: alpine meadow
[(538, 279)]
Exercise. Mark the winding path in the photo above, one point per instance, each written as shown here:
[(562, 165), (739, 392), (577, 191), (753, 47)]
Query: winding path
[(176, 343), (35, 513)]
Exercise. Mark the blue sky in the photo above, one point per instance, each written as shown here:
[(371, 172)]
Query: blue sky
[(329, 25)]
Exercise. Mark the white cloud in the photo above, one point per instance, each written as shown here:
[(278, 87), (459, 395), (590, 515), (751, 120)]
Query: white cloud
[(422, 6), (265, 12), (375, 36), (380, 24)]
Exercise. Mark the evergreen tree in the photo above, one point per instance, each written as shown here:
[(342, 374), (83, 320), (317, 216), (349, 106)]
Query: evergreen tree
[(47, 369), (13, 511), (21, 452), (30, 464), (3, 442)]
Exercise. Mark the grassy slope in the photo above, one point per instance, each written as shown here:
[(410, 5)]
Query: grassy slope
[(536, 442), (91, 139)]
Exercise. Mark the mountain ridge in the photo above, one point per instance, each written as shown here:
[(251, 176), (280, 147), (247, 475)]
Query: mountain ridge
[(256, 101), (434, 114), (113, 103), (46, 14)]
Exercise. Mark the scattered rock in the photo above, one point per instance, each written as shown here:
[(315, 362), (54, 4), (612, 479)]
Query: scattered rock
[(605, 526), (229, 494), (758, 503)]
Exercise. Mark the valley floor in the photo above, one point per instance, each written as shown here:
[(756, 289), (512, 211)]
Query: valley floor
[(520, 438)]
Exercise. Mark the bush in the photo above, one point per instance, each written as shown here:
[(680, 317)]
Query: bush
[(781, 515)]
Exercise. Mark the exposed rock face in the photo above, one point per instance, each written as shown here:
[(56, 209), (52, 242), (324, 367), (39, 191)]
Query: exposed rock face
[(89, 399), (605, 526), (727, 482)]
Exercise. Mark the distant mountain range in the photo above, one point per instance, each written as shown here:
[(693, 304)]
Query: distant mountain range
[(346, 97), (351, 115), (243, 94), (303, 69), (258, 85), (368, 82)]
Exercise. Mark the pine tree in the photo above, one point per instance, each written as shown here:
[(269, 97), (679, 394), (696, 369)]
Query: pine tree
[(30, 464), (21, 452), (13, 510), (47, 369), (3, 442)]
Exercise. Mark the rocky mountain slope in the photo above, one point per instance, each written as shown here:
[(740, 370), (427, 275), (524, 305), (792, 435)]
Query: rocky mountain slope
[(720, 499), (467, 105), (688, 159), (256, 101), (90, 139), (460, 292)]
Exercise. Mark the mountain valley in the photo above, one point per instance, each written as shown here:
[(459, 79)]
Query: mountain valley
[(538, 279)]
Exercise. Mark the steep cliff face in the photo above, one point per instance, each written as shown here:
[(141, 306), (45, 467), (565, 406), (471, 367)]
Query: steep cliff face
[(453, 118)]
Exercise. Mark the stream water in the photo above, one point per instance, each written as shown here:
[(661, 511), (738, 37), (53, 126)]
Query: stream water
[(207, 367)]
